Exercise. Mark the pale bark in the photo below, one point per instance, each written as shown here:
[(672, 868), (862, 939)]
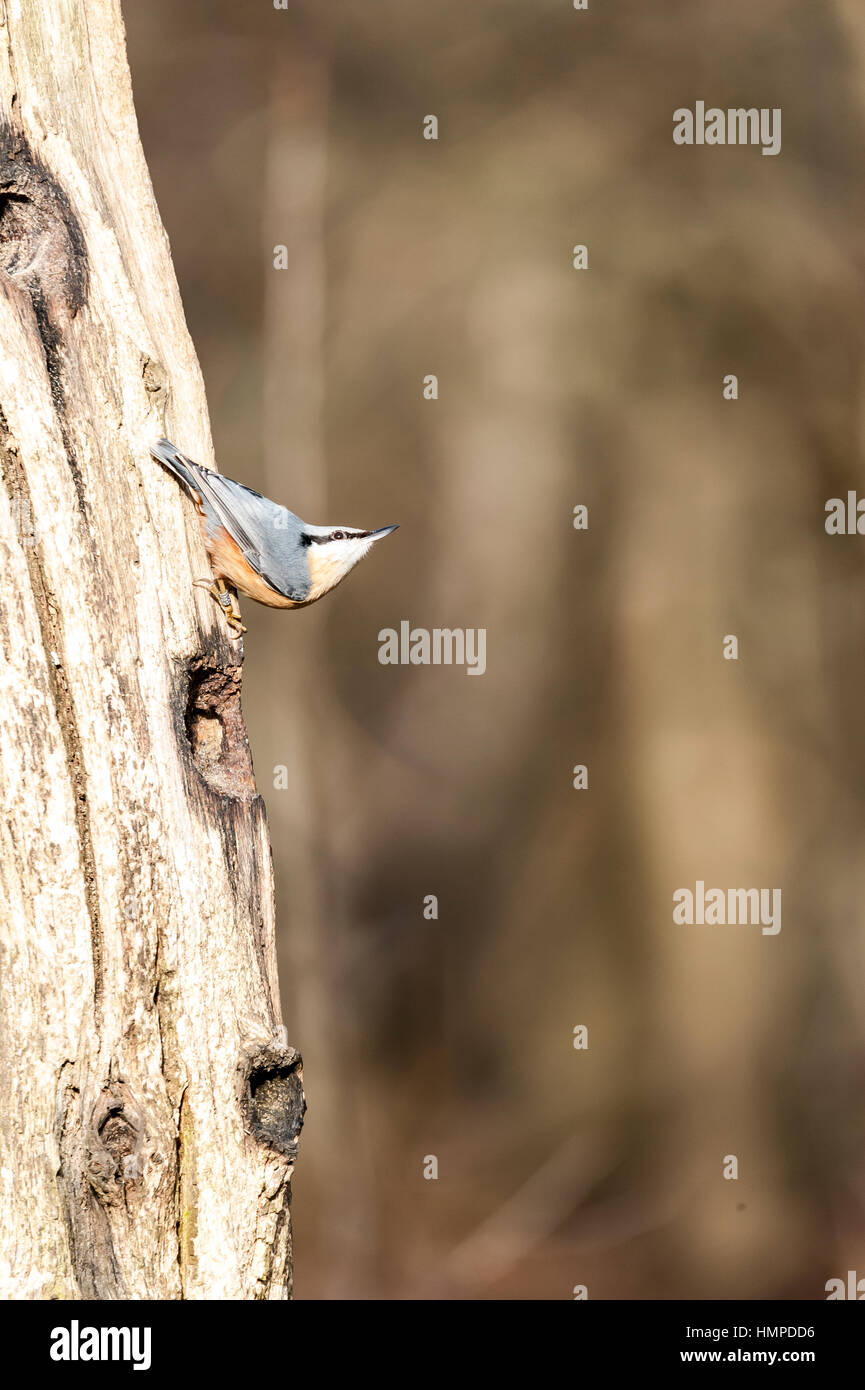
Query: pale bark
[(149, 1103)]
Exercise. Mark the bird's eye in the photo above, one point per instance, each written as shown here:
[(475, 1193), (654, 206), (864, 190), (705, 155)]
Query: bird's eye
[(337, 535)]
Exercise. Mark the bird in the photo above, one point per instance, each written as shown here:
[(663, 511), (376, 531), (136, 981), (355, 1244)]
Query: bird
[(258, 548)]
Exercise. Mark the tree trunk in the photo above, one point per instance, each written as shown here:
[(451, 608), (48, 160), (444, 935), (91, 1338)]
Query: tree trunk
[(150, 1104)]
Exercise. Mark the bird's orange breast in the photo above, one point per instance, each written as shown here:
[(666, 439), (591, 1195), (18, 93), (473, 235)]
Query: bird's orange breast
[(229, 562)]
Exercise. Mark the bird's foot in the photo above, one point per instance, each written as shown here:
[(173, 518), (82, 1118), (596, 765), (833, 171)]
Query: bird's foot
[(227, 600)]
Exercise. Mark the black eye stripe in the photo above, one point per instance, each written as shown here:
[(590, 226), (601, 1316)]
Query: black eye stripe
[(307, 539)]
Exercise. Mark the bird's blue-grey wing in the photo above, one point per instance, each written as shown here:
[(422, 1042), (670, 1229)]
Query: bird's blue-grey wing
[(268, 535)]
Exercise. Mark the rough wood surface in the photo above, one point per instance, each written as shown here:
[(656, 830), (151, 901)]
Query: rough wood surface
[(149, 1103)]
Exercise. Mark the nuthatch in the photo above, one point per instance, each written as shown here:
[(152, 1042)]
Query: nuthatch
[(259, 548)]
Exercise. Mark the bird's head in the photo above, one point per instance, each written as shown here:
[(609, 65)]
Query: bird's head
[(331, 551)]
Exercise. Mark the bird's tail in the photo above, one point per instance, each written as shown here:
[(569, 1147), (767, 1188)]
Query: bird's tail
[(177, 463)]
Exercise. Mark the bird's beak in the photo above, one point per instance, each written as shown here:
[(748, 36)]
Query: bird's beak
[(385, 531)]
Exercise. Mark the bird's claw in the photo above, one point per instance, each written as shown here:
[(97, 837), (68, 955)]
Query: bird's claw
[(227, 600)]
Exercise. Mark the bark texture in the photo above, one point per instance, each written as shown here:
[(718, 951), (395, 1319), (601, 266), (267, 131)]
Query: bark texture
[(149, 1103)]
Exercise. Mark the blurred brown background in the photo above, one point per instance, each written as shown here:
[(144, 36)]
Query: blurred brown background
[(454, 1037)]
